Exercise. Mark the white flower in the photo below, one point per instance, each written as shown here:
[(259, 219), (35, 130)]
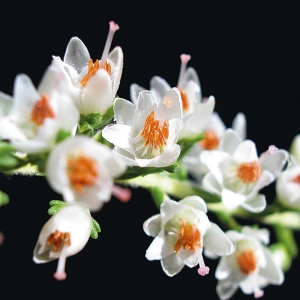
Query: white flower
[(145, 135), (93, 84), (288, 186), (181, 230), (36, 116), (214, 132), (237, 174), (295, 148), (6, 103), (251, 267), (83, 170), (196, 113), (65, 234)]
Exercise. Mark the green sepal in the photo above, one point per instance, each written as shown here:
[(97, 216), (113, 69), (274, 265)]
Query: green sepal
[(134, 171), (56, 205), (62, 135), (186, 144), (95, 229), (4, 199), (90, 123), (8, 159)]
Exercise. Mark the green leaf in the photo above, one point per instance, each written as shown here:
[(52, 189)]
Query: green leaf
[(62, 135), (135, 171), (95, 229), (4, 199), (56, 202)]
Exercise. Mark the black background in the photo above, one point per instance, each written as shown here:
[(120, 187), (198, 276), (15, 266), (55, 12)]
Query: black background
[(246, 55)]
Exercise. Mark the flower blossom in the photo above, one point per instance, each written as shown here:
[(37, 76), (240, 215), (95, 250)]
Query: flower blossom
[(64, 235), (180, 232), (251, 267), (196, 113), (145, 135), (93, 85), (83, 170), (36, 115), (213, 132), (237, 174)]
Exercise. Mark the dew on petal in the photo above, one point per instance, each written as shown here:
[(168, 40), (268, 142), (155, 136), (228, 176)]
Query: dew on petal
[(42, 110), (249, 172), (82, 171)]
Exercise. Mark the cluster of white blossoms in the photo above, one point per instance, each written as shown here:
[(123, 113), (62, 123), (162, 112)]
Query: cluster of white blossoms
[(75, 131)]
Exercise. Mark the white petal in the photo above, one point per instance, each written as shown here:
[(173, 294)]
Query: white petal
[(216, 241), (159, 88), (223, 269), (115, 58), (152, 226), (97, 95), (172, 107), (230, 141), (6, 103), (239, 125), (226, 289), (246, 152), (256, 204), (172, 264), (210, 184), (195, 202), (159, 249), (274, 163), (216, 124), (119, 135), (125, 156), (191, 75), (124, 111), (135, 89), (232, 200), (77, 54)]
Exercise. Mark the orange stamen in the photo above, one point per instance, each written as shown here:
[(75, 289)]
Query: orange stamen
[(92, 69), (41, 111), (247, 261), (189, 238), (296, 179), (184, 100), (211, 141), (153, 134), (249, 172), (58, 238), (82, 171)]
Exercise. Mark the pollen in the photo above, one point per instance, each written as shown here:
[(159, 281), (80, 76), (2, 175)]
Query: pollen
[(153, 134), (42, 110), (189, 238), (184, 99), (247, 261), (296, 179), (249, 172), (211, 140), (92, 69), (82, 171), (58, 239)]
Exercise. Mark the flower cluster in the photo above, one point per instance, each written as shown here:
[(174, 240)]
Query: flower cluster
[(74, 130)]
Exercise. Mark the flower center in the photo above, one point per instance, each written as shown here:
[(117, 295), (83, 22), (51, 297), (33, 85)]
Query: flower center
[(154, 135), (189, 238), (92, 69), (247, 261), (82, 171), (58, 239), (249, 172), (184, 99), (211, 140), (296, 179), (42, 110)]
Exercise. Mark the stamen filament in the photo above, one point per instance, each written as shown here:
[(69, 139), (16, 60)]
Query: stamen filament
[(185, 58), (60, 273), (113, 27)]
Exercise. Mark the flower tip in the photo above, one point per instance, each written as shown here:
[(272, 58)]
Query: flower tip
[(203, 271), (60, 275), (258, 294), (113, 26), (185, 58), (272, 149)]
